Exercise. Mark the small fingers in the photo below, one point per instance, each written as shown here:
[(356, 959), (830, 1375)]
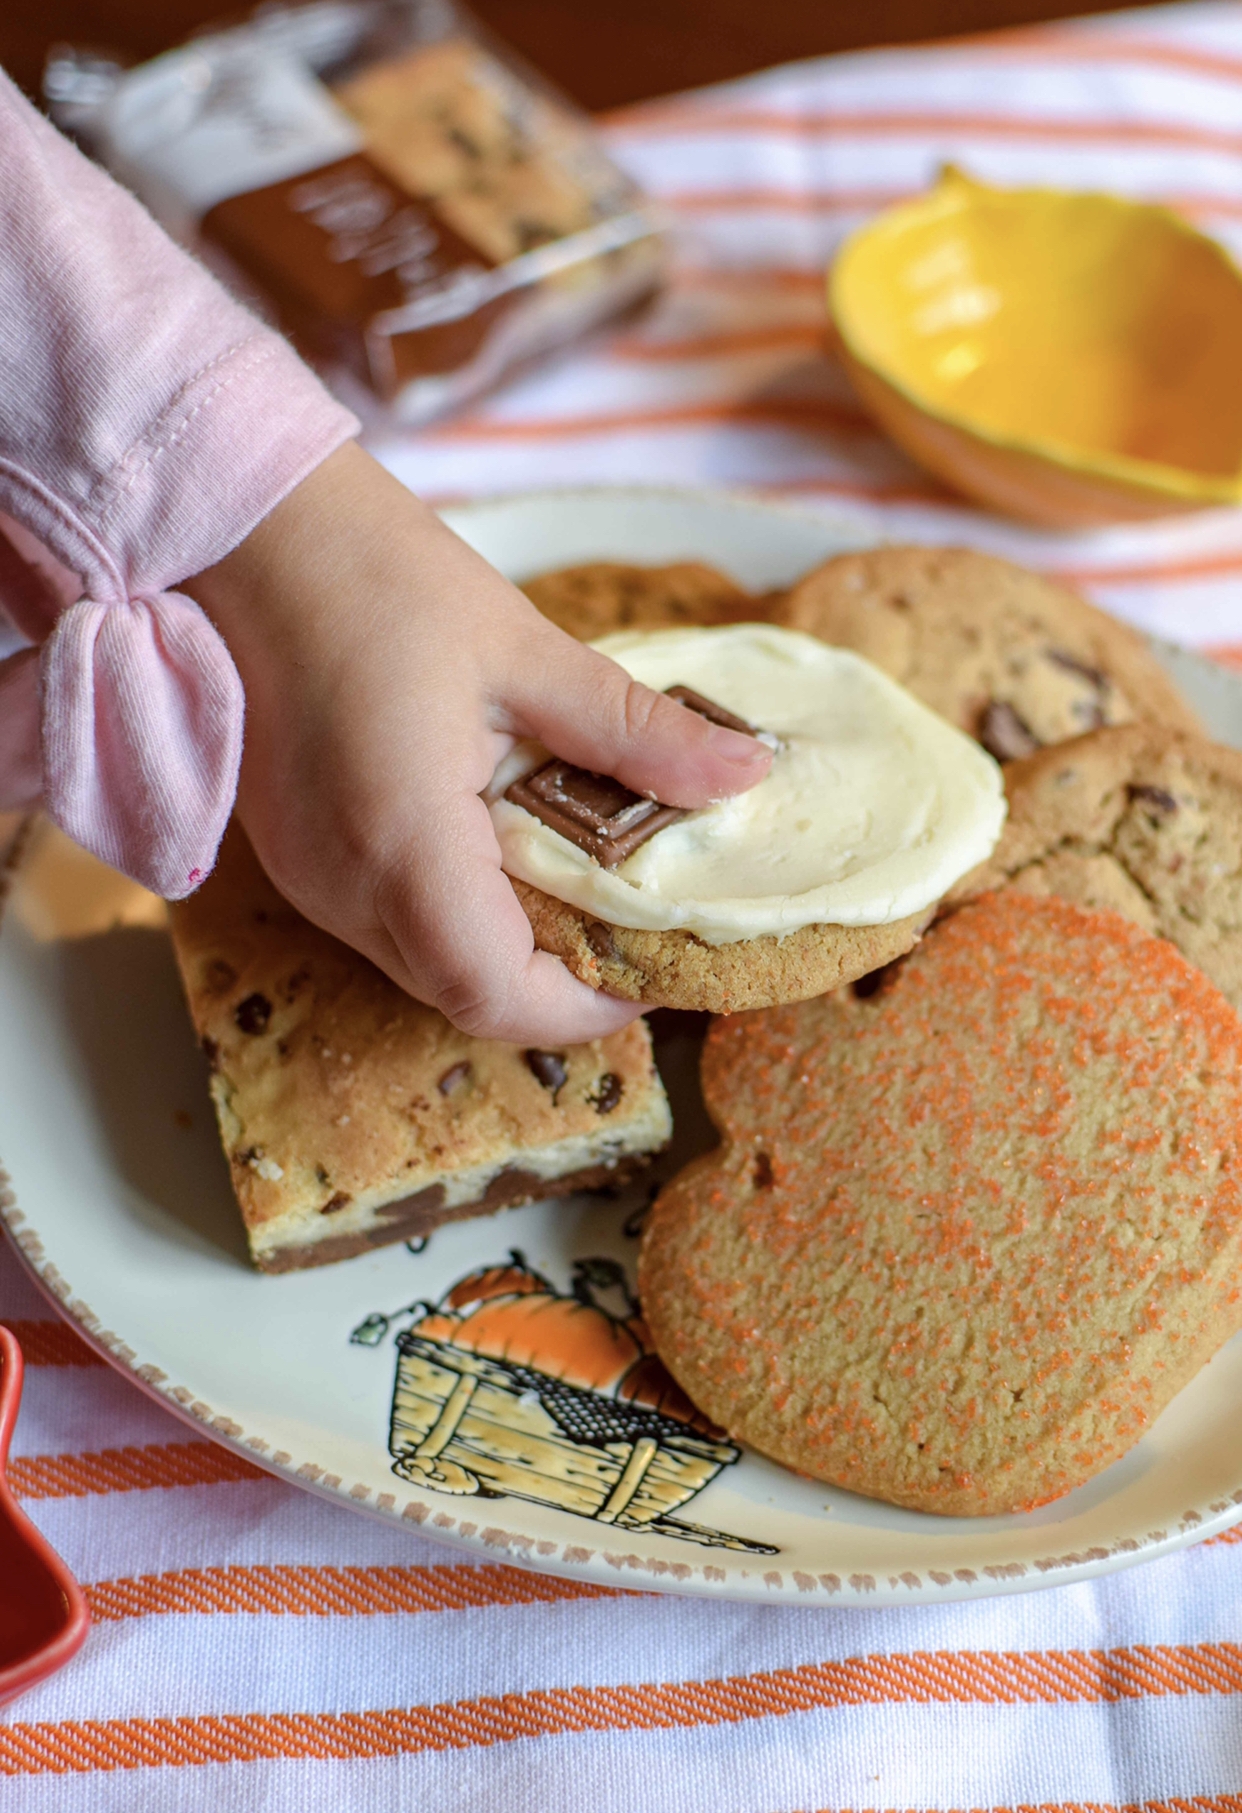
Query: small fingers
[(587, 709), (461, 942)]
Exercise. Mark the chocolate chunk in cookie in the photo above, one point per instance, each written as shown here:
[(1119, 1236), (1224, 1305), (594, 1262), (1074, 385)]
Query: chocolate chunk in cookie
[(1003, 733), (548, 1068), (252, 1014)]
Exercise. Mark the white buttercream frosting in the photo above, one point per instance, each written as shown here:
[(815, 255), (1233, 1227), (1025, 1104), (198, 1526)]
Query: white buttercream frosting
[(874, 806)]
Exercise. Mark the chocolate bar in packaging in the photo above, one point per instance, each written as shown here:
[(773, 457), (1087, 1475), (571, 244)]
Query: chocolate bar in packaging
[(418, 213)]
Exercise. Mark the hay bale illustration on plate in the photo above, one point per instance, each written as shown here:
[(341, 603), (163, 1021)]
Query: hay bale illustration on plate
[(510, 1387)]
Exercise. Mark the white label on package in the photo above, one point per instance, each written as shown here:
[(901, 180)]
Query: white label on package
[(201, 124)]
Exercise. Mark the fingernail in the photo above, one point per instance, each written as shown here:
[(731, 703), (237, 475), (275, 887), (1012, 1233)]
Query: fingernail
[(732, 746)]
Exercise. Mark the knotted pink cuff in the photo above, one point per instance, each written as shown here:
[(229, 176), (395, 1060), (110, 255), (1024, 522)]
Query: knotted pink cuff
[(137, 710), (148, 422)]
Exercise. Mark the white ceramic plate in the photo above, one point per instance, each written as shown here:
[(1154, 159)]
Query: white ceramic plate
[(119, 1202)]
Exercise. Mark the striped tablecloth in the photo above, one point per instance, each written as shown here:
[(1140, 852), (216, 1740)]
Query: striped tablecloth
[(254, 1648)]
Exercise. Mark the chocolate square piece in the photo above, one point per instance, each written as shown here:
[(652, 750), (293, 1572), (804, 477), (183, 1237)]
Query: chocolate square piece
[(708, 708), (596, 813)]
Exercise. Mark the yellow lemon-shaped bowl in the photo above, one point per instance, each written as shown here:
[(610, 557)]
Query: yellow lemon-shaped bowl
[(1069, 359)]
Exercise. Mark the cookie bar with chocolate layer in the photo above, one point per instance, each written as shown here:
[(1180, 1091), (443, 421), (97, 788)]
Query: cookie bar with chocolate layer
[(354, 1116)]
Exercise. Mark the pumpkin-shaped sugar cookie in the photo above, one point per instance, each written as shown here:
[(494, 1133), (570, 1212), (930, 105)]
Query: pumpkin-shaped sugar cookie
[(973, 1222)]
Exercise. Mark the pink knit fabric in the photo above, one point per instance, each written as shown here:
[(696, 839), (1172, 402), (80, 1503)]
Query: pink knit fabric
[(147, 423)]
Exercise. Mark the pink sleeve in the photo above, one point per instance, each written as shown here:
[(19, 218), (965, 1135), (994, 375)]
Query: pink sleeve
[(147, 423)]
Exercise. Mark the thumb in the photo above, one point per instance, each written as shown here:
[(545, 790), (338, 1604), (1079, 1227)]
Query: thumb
[(588, 710)]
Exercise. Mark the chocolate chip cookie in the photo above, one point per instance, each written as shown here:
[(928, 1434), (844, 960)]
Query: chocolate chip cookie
[(605, 595), (1144, 820), (1010, 657), (970, 1230)]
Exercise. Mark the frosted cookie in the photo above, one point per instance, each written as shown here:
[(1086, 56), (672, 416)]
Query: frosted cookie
[(604, 596), (1143, 820), (353, 1116), (1010, 657), (968, 1234), (831, 866)]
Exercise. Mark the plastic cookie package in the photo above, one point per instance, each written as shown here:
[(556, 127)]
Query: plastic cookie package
[(419, 213)]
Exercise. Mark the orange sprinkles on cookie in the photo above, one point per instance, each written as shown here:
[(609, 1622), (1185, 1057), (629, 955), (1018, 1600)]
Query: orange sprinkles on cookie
[(967, 1235)]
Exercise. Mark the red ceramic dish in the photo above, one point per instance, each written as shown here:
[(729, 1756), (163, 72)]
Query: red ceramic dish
[(43, 1611)]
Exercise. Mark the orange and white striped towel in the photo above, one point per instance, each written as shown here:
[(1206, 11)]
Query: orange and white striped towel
[(259, 1651), (727, 383)]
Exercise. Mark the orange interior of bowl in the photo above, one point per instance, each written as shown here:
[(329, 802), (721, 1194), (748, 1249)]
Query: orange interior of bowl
[(1098, 330)]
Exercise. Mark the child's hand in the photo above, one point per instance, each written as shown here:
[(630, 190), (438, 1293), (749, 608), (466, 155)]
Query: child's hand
[(387, 669)]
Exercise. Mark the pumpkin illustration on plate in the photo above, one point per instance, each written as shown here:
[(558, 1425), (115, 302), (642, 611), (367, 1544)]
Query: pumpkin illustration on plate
[(508, 1386)]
